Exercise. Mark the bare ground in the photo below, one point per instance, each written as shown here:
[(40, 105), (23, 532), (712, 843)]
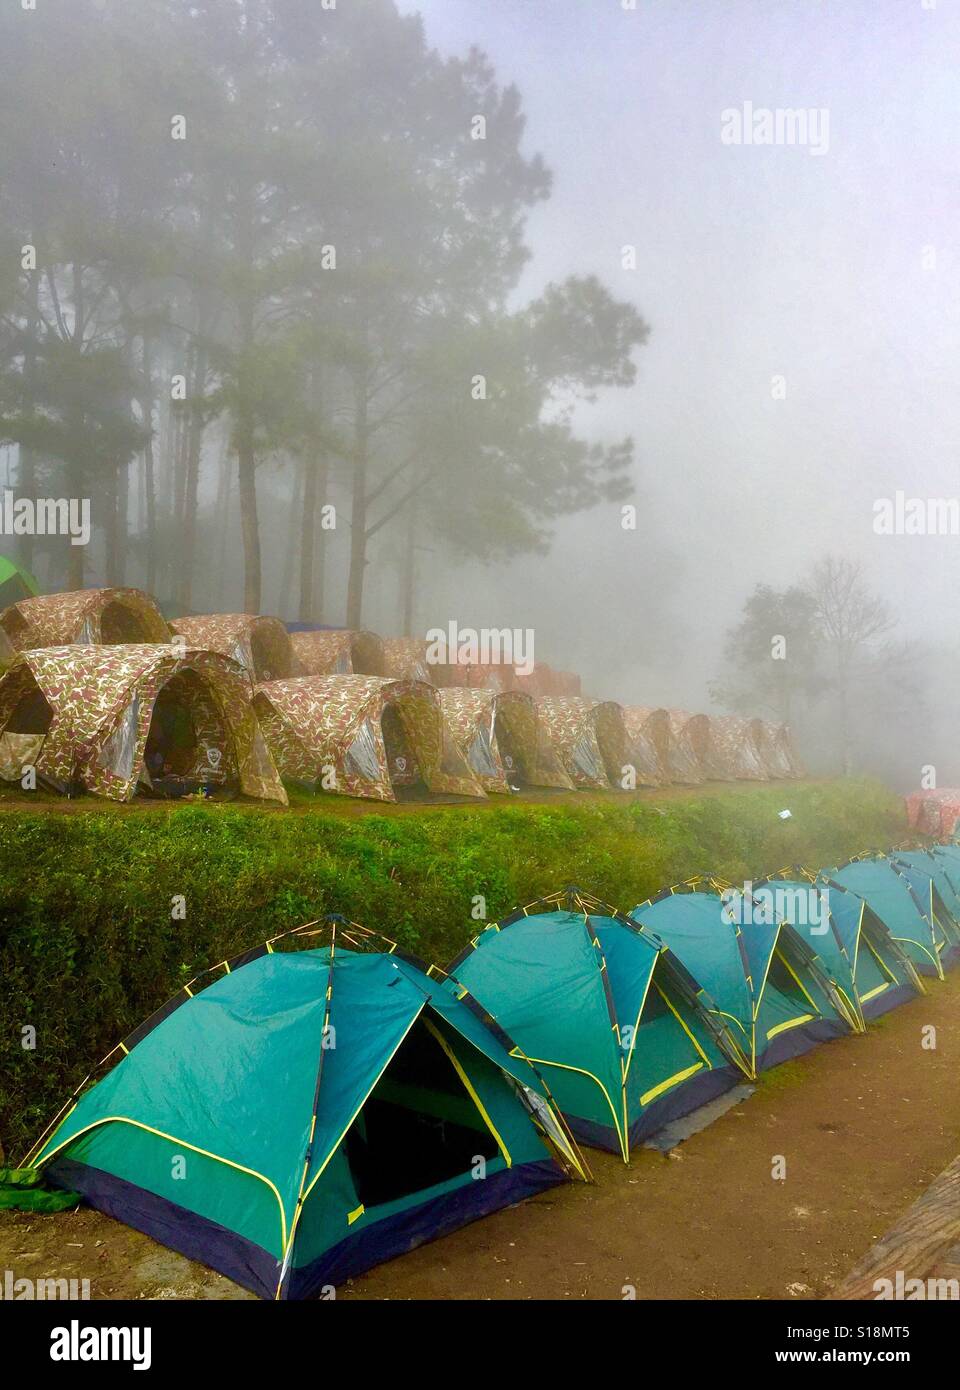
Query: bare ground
[(864, 1124)]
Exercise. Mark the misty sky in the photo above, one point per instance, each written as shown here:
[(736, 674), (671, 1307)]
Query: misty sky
[(752, 262)]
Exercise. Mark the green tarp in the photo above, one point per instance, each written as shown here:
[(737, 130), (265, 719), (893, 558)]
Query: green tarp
[(16, 583)]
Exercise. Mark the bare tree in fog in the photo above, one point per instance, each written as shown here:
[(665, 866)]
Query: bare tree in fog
[(850, 618)]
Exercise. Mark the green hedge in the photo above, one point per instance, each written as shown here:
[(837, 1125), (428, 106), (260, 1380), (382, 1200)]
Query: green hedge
[(88, 946)]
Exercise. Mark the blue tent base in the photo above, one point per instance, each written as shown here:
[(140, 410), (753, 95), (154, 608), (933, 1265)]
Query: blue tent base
[(890, 999), (256, 1269), (684, 1099), (949, 956), (677, 1131), (191, 1235), (594, 1135), (796, 1041), (396, 1235)]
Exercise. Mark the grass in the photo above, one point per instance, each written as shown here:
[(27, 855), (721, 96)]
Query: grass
[(90, 944)]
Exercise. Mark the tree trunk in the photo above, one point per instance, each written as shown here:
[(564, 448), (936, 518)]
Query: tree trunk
[(149, 468), (409, 574), (111, 538), (27, 478), (249, 522), (290, 549), (75, 465), (121, 524), (843, 692), (358, 509), (308, 525), (223, 514), (194, 451)]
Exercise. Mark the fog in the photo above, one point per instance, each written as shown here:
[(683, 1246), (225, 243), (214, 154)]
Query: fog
[(801, 300)]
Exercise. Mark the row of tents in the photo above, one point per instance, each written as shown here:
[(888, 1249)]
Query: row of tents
[(297, 1116), (100, 693)]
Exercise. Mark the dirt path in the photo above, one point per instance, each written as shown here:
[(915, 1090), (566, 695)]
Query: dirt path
[(864, 1125)]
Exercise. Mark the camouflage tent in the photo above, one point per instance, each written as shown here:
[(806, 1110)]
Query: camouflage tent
[(676, 759), (774, 754), (117, 720), (590, 738), (464, 675), (784, 751), (693, 740), (363, 736), (260, 645), (405, 659), (736, 747), (339, 653), (544, 680), (103, 617), (501, 737), (645, 752)]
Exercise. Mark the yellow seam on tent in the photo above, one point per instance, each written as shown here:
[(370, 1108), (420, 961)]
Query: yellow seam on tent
[(791, 1023), (883, 965), (856, 946), (636, 1026), (623, 1132), (333, 1150), (172, 1139), (188, 991), (706, 1059), (55, 1126), (871, 994), (655, 1091), (800, 987), (126, 1050), (355, 1215), (733, 1019), (435, 1032), (766, 973), (567, 1066), (853, 1018), (933, 956)]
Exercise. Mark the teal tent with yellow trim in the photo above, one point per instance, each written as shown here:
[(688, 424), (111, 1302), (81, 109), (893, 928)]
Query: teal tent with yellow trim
[(933, 883), (910, 922), (618, 1027), (770, 989), (307, 1115), (871, 973)]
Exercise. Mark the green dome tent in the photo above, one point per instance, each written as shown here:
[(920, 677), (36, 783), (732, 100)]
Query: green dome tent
[(949, 856), (931, 882), (895, 902), (769, 987), (307, 1115), (610, 1017), (16, 583), (870, 971)]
